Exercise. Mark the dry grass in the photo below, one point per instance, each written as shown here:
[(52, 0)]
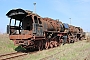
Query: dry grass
[(77, 51), (88, 39)]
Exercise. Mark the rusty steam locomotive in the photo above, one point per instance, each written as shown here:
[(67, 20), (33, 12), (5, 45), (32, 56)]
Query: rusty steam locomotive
[(32, 31)]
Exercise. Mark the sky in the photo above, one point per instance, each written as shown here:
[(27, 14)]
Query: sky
[(77, 10)]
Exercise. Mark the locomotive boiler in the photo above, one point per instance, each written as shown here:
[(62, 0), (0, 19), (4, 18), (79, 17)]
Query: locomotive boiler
[(31, 31)]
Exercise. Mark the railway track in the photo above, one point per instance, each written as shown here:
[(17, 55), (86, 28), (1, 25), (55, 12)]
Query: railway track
[(11, 55)]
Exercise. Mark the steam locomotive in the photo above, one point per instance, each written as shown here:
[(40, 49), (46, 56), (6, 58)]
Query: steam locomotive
[(31, 31)]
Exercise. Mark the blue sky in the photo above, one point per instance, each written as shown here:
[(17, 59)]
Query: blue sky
[(77, 10)]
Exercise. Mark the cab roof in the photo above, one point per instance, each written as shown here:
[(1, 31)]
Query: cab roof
[(17, 14)]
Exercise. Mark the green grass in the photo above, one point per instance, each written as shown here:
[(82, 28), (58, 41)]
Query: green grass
[(6, 45)]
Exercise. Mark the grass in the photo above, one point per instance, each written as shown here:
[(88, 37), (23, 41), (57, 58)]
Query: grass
[(77, 51), (6, 45)]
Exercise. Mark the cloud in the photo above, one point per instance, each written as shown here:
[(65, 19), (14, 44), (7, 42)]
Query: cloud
[(72, 8), (82, 1), (85, 0), (63, 7)]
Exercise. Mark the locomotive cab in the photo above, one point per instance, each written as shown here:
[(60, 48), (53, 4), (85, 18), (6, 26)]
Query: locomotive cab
[(16, 16), (24, 27), (23, 22)]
